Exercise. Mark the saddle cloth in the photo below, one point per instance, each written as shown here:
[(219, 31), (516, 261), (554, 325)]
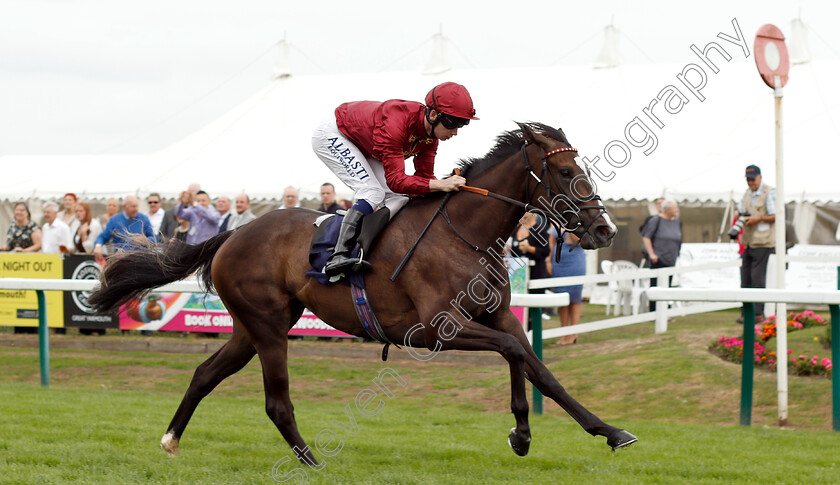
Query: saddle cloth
[(323, 242)]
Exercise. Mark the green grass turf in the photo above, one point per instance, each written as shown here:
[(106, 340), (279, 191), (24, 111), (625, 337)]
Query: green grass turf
[(98, 436), (102, 419)]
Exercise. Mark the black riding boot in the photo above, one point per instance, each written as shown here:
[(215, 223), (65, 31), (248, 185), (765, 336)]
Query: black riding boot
[(340, 261)]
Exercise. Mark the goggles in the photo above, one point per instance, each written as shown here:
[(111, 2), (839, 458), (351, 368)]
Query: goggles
[(453, 122)]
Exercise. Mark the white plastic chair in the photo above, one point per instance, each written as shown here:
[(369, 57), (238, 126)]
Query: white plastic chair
[(629, 290), (613, 298)]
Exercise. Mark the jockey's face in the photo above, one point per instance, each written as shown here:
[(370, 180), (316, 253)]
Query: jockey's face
[(442, 133)]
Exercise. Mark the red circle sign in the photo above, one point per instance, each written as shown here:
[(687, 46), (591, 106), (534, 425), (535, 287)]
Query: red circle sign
[(771, 55)]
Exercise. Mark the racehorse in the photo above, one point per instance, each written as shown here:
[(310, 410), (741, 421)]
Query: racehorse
[(258, 272)]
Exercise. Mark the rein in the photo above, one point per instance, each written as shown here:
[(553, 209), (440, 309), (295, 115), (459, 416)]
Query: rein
[(417, 242), (571, 204)]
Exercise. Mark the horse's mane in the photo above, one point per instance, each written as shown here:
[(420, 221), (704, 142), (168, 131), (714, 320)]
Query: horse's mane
[(507, 144)]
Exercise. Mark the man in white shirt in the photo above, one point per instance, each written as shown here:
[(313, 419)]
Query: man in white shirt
[(290, 198), (56, 233), (225, 214), (155, 212)]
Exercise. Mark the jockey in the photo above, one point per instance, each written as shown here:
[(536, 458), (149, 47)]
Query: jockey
[(366, 143)]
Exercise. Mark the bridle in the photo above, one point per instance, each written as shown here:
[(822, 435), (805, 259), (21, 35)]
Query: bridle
[(573, 204)]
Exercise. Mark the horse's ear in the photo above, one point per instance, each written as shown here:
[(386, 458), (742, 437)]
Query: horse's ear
[(527, 133)]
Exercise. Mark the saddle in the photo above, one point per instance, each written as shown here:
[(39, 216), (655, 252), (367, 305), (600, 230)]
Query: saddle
[(324, 239)]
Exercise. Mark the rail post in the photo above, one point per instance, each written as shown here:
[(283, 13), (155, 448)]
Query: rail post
[(43, 338), (747, 364), (835, 356), (535, 314), (661, 320)]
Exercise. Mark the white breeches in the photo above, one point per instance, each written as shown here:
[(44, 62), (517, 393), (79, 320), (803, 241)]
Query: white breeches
[(364, 176)]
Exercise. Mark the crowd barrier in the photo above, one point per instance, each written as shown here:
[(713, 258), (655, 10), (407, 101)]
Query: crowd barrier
[(40, 286), (710, 302), (640, 274), (749, 296)]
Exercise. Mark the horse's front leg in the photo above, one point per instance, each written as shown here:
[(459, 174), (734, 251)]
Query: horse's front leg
[(448, 331), (548, 385)]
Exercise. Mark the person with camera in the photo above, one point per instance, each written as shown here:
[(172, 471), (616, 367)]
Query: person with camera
[(757, 211)]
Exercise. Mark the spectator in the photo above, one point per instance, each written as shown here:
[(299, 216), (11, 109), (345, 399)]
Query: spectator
[(23, 236), (243, 209), (169, 225), (290, 198), (662, 238), (225, 215), (328, 203), (572, 263), (531, 240), (759, 236), (182, 230), (122, 227), (203, 217), (89, 229), (658, 201), (111, 209), (68, 215), (156, 212), (56, 234)]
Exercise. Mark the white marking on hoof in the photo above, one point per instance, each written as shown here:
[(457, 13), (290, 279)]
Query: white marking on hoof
[(169, 443)]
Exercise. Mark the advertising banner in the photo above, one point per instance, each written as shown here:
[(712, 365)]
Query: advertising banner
[(703, 253), (199, 312), (19, 308), (519, 274), (813, 275), (77, 312)]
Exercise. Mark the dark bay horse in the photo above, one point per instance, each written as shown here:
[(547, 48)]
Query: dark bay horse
[(258, 272)]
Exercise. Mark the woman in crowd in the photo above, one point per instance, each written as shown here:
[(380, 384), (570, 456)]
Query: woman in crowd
[(662, 239), (111, 209), (68, 215), (88, 229), (182, 230), (23, 235), (572, 263)]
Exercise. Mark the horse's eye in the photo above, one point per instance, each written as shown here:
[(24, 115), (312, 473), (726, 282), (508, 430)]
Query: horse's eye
[(565, 172)]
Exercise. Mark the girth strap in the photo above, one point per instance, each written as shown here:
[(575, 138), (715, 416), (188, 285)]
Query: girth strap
[(366, 316)]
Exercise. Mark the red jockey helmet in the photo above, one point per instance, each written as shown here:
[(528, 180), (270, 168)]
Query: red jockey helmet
[(451, 99)]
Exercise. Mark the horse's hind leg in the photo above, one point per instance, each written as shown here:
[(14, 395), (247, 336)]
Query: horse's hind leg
[(228, 360), (269, 329)]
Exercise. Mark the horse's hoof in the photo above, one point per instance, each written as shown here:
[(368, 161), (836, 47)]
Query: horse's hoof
[(620, 439), (519, 443), (169, 443)]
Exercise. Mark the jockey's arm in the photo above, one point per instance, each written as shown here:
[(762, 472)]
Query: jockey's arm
[(447, 184)]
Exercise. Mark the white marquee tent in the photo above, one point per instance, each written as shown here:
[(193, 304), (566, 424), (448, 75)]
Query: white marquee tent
[(263, 145)]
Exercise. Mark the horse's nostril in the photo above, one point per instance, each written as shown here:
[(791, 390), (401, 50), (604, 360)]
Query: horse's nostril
[(604, 230)]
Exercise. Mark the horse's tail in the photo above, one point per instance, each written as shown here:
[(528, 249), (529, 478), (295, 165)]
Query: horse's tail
[(134, 274)]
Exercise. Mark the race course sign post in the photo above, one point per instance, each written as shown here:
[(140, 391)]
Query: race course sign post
[(773, 63)]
